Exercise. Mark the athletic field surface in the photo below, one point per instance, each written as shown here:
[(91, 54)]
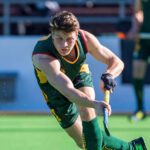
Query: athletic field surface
[(42, 132)]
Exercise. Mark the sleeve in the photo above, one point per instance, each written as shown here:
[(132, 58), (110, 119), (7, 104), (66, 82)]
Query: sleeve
[(42, 48), (83, 41)]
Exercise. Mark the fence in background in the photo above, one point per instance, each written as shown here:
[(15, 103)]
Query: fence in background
[(23, 17)]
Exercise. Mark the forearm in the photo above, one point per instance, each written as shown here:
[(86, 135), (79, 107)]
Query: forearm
[(105, 55), (64, 85), (115, 67), (136, 24), (80, 98), (51, 69), (138, 17)]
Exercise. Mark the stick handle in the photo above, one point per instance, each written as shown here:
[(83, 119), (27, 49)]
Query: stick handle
[(105, 113), (107, 96)]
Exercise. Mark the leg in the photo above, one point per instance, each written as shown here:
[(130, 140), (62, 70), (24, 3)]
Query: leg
[(93, 134), (91, 131), (87, 114), (114, 143), (138, 144), (70, 121), (95, 139), (140, 57), (67, 115), (139, 70), (75, 132)]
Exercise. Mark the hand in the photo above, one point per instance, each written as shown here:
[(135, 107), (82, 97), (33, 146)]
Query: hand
[(105, 105), (107, 82)]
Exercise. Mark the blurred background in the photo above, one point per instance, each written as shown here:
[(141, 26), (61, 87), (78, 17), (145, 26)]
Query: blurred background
[(23, 22)]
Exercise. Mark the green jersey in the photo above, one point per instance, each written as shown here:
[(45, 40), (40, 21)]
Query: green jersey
[(70, 68), (65, 112), (146, 11)]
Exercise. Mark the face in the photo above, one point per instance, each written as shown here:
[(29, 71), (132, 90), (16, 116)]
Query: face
[(64, 42)]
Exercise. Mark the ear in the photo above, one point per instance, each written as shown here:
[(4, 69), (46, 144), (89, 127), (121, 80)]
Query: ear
[(77, 31), (53, 34)]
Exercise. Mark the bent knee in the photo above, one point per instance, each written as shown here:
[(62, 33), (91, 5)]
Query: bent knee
[(139, 69), (87, 113)]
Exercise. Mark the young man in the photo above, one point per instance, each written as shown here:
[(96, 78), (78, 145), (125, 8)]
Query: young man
[(141, 24), (66, 82)]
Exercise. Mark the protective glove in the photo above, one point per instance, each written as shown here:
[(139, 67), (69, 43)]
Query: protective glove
[(109, 82)]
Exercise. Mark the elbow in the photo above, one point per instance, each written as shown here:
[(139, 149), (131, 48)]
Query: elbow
[(118, 63), (121, 63)]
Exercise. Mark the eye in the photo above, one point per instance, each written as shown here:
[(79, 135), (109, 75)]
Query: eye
[(59, 38), (70, 40)]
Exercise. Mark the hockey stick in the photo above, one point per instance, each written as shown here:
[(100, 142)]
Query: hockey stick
[(105, 112)]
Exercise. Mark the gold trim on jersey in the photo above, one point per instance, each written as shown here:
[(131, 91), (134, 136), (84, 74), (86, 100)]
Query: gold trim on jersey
[(137, 45), (45, 96), (85, 68), (55, 115), (78, 54), (62, 70), (41, 76)]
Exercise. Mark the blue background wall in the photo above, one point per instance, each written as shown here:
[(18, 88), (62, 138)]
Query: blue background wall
[(15, 56)]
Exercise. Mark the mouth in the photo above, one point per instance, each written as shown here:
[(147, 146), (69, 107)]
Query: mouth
[(64, 50)]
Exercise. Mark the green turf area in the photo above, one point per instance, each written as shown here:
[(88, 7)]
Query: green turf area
[(44, 133)]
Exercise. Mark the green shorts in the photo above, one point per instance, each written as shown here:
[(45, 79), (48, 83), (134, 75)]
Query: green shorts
[(142, 49), (65, 111)]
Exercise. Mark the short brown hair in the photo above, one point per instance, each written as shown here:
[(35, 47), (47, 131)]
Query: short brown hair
[(65, 21)]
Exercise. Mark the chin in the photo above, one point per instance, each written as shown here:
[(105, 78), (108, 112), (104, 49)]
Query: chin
[(65, 54), (62, 54)]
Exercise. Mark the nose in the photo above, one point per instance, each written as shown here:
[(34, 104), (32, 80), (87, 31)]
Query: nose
[(65, 44)]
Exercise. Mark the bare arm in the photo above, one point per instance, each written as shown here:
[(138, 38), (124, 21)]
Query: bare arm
[(137, 20), (51, 68), (103, 54), (138, 12)]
